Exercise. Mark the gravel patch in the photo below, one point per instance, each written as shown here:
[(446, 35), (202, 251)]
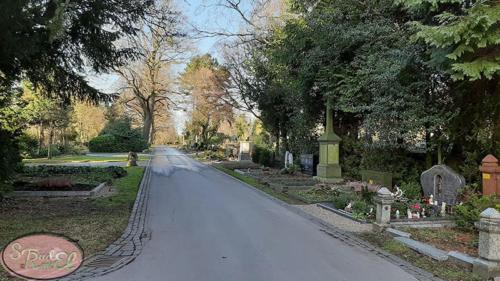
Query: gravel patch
[(335, 220)]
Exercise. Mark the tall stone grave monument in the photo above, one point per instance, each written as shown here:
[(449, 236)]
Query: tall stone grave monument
[(328, 169)]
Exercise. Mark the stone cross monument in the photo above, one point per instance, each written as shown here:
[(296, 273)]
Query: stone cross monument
[(328, 169)]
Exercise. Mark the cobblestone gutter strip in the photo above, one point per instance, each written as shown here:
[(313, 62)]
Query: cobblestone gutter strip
[(348, 238), (126, 248)]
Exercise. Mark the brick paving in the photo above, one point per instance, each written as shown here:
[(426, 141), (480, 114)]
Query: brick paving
[(126, 248)]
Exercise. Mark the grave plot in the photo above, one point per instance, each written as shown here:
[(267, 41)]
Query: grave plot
[(63, 181)]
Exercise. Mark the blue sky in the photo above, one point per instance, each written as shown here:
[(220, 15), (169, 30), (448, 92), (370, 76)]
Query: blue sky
[(203, 14)]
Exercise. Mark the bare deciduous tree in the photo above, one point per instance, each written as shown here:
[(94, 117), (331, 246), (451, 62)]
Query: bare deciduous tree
[(148, 83)]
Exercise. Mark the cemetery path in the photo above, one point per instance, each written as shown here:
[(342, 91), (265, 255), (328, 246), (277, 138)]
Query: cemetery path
[(207, 226)]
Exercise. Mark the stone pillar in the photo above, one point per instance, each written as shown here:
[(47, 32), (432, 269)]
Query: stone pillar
[(383, 200), (328, 169), (491, 175), (488, 263)]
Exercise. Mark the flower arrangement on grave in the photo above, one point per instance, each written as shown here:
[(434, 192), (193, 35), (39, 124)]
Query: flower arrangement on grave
[(414, 210)]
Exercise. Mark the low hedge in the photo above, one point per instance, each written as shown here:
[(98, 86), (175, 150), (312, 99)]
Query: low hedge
[(112, 143), (49, 170)]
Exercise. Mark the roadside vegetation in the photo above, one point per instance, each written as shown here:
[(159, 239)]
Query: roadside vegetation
[(448, 271), (251, 181), (94, 223), (81, 159)]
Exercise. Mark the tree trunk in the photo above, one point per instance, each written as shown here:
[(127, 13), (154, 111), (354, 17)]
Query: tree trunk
[(41, 136), (153, 131), (49, 148), (148, 122), (440, 154), (428, 152)]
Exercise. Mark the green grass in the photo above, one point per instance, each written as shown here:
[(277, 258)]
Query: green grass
[(253, 182), (127, 189), (93, 223), (80, 159), (448, 270), (313, 195)]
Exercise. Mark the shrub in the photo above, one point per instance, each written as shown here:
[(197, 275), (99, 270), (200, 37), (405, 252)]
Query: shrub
[(265, 157), (111, 143), (104, 143), (412, 190), (469, 167), (256, 154), (10, 159), (51, 170), (55, 151), (367, 195), (469, 212), (262, 156), (341, 201), (360, 207), (73, 149), (28, 146), (401, 206), (351, 150), (118, 136), (405, 166)]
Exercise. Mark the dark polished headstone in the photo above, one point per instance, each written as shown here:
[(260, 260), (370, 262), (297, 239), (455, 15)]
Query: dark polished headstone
[(307, 164)]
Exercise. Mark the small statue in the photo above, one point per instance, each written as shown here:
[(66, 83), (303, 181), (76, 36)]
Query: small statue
[(423, 213), (348, 208), (417, 215), (408, 212), (132, 159), (397, 214), (431, 200), (443, 209), (398, 194)]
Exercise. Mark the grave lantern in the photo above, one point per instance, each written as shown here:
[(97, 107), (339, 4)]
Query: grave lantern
[(328, 169)]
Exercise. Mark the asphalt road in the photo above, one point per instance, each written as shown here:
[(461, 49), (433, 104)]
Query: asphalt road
[(207, 226)]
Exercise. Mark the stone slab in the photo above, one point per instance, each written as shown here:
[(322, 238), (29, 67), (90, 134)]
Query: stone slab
[(98, 190), (240, 172), (423, 248), (398, 233), (423, 223), (462, 258)]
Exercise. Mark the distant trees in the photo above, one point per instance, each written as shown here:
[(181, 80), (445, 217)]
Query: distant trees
[(87, 121), (205, 80), (49, 116)]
